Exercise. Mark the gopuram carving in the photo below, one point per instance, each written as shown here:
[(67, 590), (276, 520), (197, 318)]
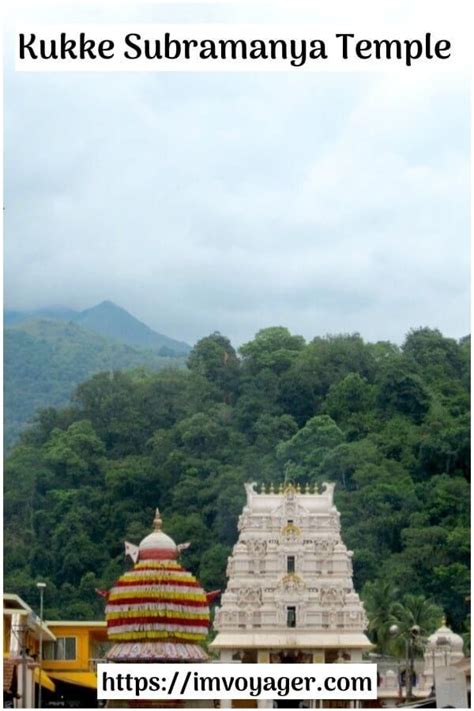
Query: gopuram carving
[(290, 578)]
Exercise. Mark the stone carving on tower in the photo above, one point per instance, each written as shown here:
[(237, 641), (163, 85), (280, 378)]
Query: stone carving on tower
[(290, 579)]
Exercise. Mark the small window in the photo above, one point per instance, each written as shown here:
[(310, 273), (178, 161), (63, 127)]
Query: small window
[(63, 649), (290, 564), (291, 616), (290, 522)]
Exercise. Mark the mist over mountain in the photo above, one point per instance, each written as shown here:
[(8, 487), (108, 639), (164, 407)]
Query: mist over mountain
[(108, 320), (12, 317)]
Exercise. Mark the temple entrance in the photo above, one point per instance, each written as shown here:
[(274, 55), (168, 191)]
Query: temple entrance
[(288, 704), (291, 656), (249, 656)]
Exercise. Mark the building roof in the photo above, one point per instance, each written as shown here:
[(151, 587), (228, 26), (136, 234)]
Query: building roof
[(157, 601), (15, 605), (267, 501), (87, 679), (8, 673), (157, 545), (14, 602), (445, 636)]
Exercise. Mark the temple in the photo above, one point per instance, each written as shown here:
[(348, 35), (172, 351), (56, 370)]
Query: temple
[(157, 611), (290, 595)]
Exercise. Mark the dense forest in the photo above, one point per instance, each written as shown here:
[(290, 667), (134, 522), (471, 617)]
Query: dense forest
[(45, 359), (388, 424)]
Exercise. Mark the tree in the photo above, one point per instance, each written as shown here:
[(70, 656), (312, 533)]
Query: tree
[(323, 363), (270, 430), (438, 357), (349, 402), (393, 438), (75, 454), (402, 391), (183, 528), (445, 447), (377, 508), (259, 396), (379, 599), (417, 610), (274, 348), (398, 439), (213, 566), (452, 584), (340, 463), (215, 359), (310, 445), (201, 434), (108, 401), (446, 500), (414, 618)]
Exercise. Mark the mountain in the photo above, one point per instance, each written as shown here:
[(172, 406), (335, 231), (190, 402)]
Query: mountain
[(113, 321), (45, 359), (108, 320), (12, 318)]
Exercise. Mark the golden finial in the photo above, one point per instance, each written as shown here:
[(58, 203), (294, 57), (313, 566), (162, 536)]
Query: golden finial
[(306, 489), (272, 490), (443, 621), (298, 488), (157, 522), (280, 488)]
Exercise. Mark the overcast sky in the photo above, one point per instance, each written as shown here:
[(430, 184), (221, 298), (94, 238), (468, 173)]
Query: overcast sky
[(200, 202)]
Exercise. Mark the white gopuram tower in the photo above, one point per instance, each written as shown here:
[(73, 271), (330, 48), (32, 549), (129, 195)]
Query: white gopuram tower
[(290, 596)]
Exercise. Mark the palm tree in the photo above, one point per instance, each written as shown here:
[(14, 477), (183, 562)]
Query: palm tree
[(379, 599), (412, 621), (467, 636)]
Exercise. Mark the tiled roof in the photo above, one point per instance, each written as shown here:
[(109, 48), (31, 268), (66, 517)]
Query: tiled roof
[(8, 672)]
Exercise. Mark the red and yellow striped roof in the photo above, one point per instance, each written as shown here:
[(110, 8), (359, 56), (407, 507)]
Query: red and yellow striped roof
[(157, 600)]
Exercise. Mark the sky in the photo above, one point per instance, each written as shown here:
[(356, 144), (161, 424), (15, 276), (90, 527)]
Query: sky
[(326, 203)]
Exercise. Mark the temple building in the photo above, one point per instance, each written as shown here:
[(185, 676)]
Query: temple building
[(290, 595), (443, 652), (157, 611), (444, 649)]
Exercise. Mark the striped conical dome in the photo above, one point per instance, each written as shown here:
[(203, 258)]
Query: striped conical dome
[(158, 602)]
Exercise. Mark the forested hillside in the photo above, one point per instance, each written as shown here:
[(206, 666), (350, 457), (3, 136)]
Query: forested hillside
[(390, 425), (108, 320), (44, 360)]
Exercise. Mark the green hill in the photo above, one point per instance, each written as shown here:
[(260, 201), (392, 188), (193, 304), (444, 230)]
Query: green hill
[(113, 321), (389, 425), (108, 320), (44, 360)]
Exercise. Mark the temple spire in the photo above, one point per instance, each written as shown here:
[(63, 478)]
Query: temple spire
[(157, 522)]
